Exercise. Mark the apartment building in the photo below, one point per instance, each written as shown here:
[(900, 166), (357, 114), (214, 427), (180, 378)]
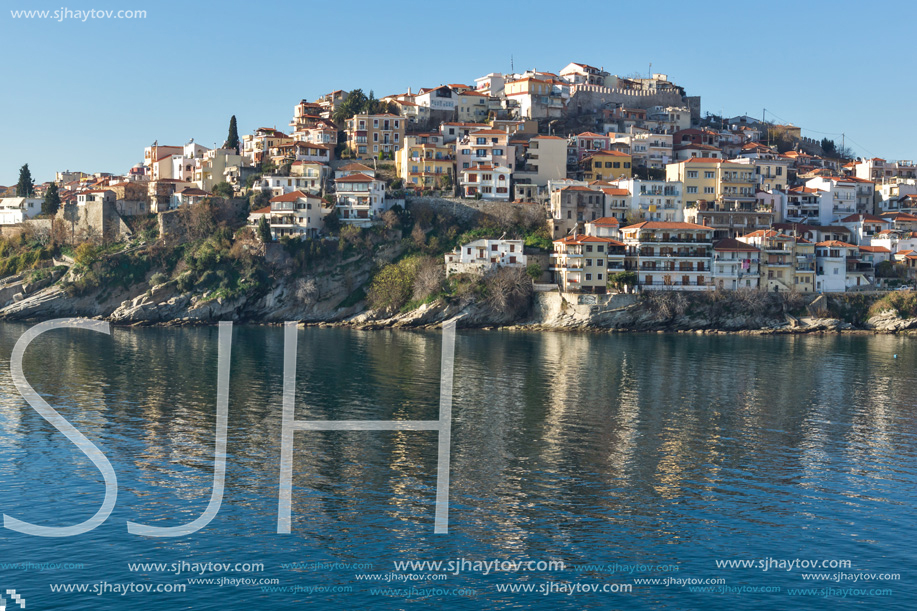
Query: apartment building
[(736, 265), (481, 147), (607, 165), (787, 263), (486, 182), (713, 179), (295, 214), (668, 255), (581, 263), (572, 205), (359, 199), (370, 135), (426, 162)]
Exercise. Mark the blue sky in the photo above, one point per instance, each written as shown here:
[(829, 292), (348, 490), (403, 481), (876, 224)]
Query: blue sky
[(90, 95)]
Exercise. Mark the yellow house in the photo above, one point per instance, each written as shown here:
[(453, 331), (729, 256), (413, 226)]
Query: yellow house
[(787, 262), (607, 165), (581, 263), (426, 161), (713, 179)]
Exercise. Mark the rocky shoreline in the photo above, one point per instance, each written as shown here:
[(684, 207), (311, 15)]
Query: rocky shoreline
[(164, 305)]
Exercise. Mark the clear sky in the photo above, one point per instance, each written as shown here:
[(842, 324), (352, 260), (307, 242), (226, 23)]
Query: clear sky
[(90, 95)]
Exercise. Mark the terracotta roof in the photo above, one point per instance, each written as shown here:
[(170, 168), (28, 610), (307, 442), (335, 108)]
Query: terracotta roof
[(702, 160), (622, 192), (900, 216), (547, 138), (835, 244), (578, 188), (587, 238), (606, 221), (355, 178), (191, 191), (291, 197), (874, 249), (266, 210), (854, 218), (354, 167), (733, 245), (665, 225), (608, 153), (806, 190), (591, 135)]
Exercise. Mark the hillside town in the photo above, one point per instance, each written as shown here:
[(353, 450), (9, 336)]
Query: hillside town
[(637, 188)]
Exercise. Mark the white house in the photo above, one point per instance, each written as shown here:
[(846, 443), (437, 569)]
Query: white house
[(187, 196), (14, 210), (295, 214), (481, 256), (655, 200), (95, 195), (836, 267), (360, 199), (735, 265), (491, 182)]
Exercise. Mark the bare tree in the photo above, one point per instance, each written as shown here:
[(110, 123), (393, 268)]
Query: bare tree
[(429, 279)]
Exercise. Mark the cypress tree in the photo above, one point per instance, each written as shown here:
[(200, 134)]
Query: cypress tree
[(25, 187), (52, 201), (232, 140)]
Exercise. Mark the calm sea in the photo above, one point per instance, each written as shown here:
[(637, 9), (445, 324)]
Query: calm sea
[(736, 472)]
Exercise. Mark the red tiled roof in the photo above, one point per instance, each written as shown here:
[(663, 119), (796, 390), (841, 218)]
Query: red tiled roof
[(587, 238), (733, 245), (291, 197), (854, 218), (835, 244), (703, 160), (874, 249), (355, 178), (606, 221), (354, 167), (666, 225)]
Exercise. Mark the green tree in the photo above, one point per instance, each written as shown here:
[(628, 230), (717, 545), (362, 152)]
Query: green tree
[(354, 103), (25, 187), (51, 204), (828, 146), (264, 230), (622, 279), (534, 271), (232, 140), (223, 189)]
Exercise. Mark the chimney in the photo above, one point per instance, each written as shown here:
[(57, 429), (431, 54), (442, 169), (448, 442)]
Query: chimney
[(409, 91)]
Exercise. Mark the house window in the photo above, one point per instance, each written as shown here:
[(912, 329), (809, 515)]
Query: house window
[(588, 262), (692, 189), (599, 277), (692, 173), (588, 276)]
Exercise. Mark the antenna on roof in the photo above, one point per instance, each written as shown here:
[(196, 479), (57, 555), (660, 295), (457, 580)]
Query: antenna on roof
[(512, 66)]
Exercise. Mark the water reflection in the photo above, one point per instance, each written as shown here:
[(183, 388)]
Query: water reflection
[(580, 447)]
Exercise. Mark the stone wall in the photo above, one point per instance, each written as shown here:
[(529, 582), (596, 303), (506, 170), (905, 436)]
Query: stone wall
[(590, 98)]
